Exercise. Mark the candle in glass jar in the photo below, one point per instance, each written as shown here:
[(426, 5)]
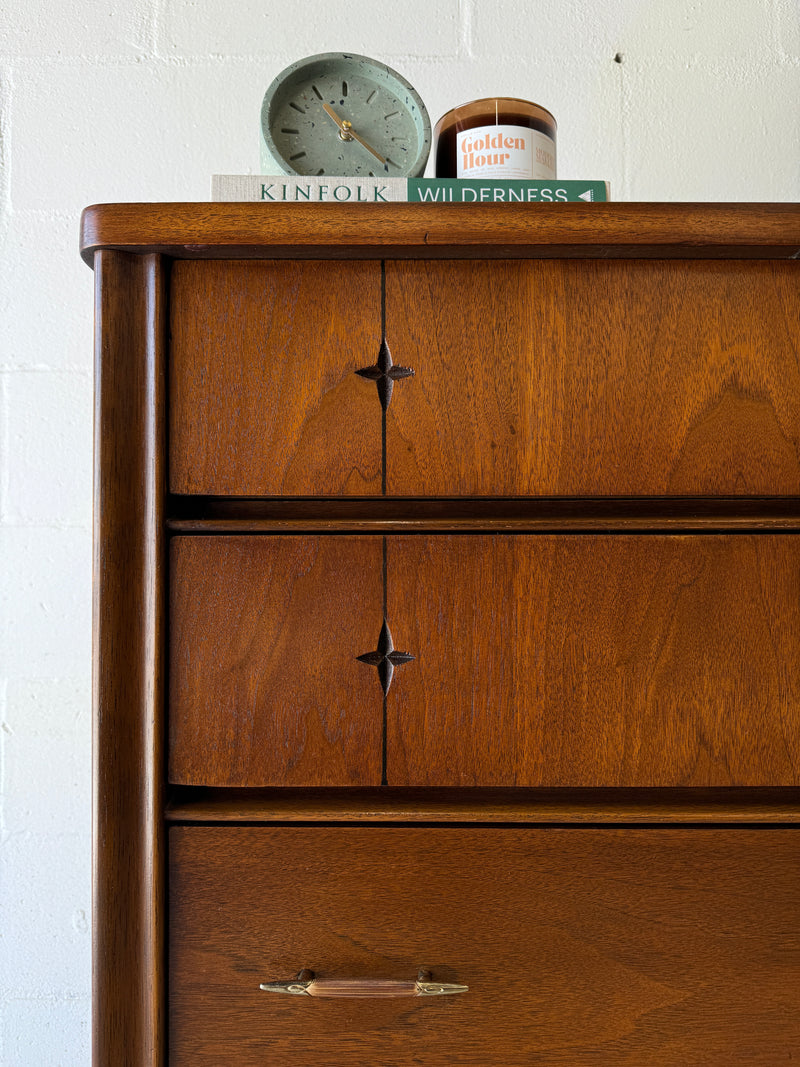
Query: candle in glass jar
[(499, 137)]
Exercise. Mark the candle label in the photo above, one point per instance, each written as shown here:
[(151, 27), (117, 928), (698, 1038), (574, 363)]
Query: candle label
[(505, 152)]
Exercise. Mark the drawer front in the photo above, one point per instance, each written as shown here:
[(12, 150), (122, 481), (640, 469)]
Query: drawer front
[(595, 660), (263, 398), (519, 660), (658, 947), (594, 378), (530, 378), (264, 686)]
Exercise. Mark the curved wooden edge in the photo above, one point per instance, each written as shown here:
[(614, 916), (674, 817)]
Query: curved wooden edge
[(128, 662), (483, 805), (400, 230)]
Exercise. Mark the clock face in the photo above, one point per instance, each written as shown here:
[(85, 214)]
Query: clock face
[(345, 115)]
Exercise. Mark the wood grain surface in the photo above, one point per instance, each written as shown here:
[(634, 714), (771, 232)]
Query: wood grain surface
[(264, 400), (128, 662), (594, 378), (265, 687), (447, 230), (633, 948), (595, 660)]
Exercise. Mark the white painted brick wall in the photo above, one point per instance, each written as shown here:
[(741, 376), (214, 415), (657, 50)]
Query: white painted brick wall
[(102, 101)]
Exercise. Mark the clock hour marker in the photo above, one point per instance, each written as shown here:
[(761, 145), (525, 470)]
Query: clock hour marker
[(344, 88), (317, 93), (285, 129), (369, 98), (391, 114), (297, 107), (394, 138), (297, 155), (388, 160), (320, 171)]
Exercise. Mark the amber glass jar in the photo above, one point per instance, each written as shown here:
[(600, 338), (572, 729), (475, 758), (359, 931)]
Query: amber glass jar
[(499, 137)]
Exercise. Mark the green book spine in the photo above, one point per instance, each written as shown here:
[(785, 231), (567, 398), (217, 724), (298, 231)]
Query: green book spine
[(463, 191)]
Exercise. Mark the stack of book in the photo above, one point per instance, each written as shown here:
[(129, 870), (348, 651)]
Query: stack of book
[(271, 189)]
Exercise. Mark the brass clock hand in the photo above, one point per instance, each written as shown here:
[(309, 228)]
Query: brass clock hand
[(347, 133), (329, 110), (361, 141)]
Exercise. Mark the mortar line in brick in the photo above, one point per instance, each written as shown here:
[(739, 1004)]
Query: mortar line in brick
[(6, 96), (465, 9), (777, 11), (13, 996), (78, 371), (46, 214), (13, 522), (3, 734), (4, 446), (625, 126), (154, 26)]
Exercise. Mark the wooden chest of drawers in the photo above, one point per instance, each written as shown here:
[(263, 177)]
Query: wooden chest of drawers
[(447, 623)]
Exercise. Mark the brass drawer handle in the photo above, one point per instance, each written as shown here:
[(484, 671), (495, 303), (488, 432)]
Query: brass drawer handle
[(307, 985)]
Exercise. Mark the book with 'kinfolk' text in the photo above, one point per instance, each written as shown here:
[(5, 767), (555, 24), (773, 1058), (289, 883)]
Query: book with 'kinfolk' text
[(282, 188)]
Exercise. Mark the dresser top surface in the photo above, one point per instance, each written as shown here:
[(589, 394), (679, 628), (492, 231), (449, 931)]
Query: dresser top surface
[(420, 231)]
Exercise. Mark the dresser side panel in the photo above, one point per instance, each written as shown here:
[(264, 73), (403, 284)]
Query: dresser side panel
[(128, 664)]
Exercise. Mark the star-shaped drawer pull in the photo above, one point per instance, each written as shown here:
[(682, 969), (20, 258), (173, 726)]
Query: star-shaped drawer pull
[(385, 373), (385, 657)]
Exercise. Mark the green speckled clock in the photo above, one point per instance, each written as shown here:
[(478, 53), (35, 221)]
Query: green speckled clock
[(344, 115)]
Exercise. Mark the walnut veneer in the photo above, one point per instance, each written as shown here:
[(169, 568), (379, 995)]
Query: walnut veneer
[(447, 620)]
